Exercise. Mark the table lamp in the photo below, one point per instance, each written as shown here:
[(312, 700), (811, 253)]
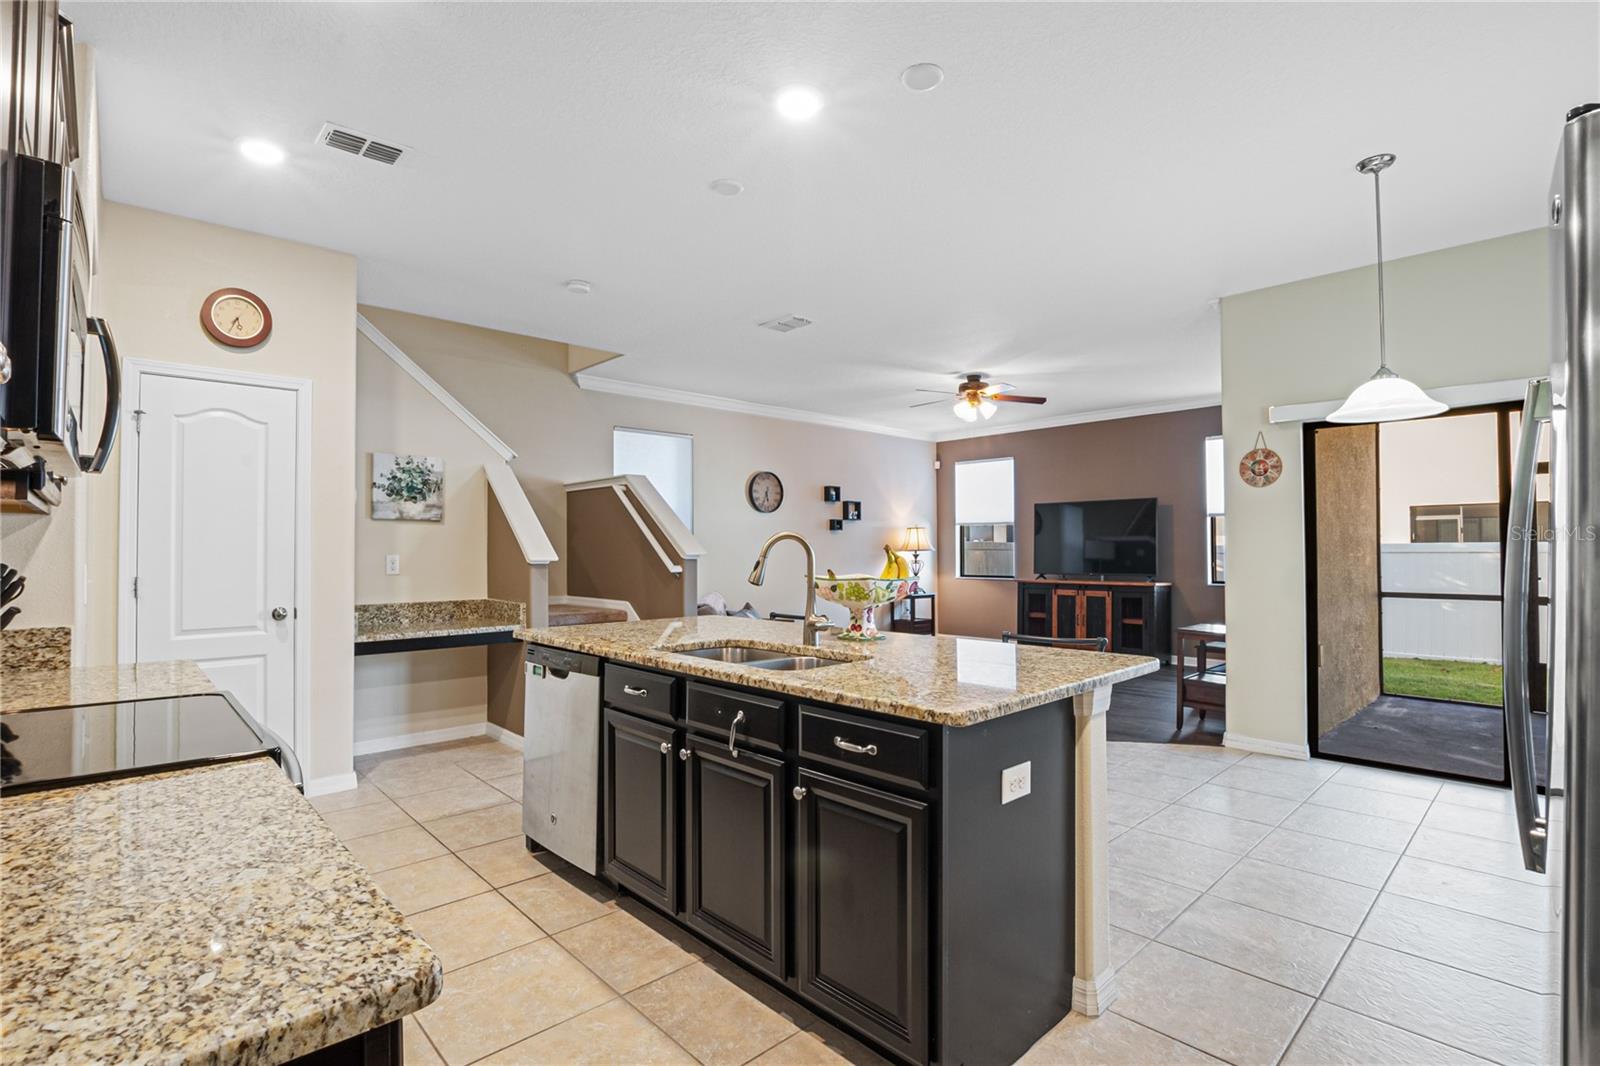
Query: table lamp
[(915, 541)]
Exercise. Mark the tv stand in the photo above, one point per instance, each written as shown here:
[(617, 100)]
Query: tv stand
[(1134, 613)]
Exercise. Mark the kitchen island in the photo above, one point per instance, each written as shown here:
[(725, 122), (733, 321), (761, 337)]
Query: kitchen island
[(200, 915), (908, 836)]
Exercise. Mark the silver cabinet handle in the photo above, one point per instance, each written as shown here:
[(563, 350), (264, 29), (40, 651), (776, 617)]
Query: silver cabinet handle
[(855, 749), (635, 690), (733, 734), (666, 747), (280, 613), (683, 754), (799, 792), (1521, 559)]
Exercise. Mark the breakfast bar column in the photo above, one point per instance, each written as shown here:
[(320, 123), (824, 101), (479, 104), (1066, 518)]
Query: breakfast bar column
[(1093, 980)]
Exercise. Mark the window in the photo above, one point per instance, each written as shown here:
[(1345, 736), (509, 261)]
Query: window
[(1216, 528), (985, 518), (667, 459), (1455, 523)]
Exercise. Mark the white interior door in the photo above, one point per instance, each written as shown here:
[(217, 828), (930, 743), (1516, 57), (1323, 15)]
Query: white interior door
[(215, 526)]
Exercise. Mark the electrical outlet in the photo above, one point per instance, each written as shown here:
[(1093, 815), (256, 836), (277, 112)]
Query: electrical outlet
[(1016, 782), (391, 564)]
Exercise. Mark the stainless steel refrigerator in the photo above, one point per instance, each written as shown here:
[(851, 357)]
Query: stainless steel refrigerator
[(1569, 401)]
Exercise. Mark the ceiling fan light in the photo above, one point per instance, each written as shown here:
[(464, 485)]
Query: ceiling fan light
[(986, 408), (964, 410), (1387, 397)]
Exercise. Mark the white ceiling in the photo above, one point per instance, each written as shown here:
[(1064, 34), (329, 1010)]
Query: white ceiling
[(1062, 211)]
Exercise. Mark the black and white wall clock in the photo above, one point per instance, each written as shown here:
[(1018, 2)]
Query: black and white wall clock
[(764, 491)]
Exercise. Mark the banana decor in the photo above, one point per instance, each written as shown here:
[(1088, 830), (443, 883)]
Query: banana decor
[(894, 567)]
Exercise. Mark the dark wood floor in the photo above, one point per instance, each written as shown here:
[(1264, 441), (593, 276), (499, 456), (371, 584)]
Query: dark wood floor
[(1144, 710)]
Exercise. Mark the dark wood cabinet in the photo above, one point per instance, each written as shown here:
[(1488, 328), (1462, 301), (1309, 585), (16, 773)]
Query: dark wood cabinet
[(1135, 616), (735, 851), (640, 806), (861, 908)]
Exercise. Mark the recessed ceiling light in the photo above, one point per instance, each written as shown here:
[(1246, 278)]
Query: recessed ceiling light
[(921, 77), (263, 153), (798, 103), (579, 287), (727, 187)]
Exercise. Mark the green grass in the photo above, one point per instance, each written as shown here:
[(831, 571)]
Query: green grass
[(1440, 679)]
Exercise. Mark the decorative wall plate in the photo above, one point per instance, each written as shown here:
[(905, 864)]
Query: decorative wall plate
[(1261, 466)]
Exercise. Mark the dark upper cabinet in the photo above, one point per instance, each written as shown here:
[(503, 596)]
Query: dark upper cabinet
[(735, 873), (640, 806), (861, 909)]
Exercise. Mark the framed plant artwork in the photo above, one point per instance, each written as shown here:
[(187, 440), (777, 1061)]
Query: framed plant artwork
[(409, 487)]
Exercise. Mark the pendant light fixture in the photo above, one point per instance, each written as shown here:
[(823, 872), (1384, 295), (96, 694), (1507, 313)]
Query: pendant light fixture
[(1386, 396)]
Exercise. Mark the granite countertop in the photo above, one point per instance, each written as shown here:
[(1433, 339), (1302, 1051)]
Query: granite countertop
[(436, 618), (197, 916), (37, 648), (946, 680), (27, 691)]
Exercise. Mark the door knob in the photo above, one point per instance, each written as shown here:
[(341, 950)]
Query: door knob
[(280, 613)]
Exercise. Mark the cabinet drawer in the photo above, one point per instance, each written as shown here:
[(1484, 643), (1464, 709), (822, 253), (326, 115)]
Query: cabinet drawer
[(899, 754), (711, 710), (640, 691)]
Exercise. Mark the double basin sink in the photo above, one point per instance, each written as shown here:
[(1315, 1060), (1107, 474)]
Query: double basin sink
[(761, 658)]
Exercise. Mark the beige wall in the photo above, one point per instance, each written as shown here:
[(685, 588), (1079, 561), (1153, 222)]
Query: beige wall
[(438, 560), (519, 387), (423, 691), (1460, 315), (155, 270), (1152, 455)]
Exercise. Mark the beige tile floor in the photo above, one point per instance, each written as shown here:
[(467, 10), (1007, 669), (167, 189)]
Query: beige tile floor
[(544, 964), (1264, 910)]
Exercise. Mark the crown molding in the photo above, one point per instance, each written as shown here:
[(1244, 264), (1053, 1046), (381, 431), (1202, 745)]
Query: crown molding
[(1107, 414), (591, 383)]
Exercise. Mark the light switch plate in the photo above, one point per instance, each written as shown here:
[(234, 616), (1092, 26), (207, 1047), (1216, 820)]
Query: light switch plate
[(1016, 782), (391, 564)]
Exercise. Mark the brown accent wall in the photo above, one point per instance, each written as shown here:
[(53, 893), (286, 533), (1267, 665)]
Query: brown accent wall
[(1151, 455), (1349, 677), (611, 560)]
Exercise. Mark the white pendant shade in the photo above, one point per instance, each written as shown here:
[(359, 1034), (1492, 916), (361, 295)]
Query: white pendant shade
[(965, 411), (1387, 397)]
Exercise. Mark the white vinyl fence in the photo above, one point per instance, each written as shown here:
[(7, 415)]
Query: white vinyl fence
[(1463, 630)]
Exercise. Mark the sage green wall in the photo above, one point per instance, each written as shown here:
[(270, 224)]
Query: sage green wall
[(1474, 313)]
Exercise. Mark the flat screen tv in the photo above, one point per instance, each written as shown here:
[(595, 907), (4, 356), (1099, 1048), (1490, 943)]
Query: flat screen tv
[(1102, 538)]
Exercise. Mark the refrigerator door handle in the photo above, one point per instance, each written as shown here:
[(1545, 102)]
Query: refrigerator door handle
[(1516, 600)]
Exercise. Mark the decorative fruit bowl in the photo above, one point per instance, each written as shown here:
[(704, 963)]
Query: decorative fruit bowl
[(862, 595)]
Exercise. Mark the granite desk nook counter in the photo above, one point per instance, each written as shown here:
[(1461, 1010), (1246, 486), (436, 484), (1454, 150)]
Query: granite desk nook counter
[(200, 915), (908, 836)]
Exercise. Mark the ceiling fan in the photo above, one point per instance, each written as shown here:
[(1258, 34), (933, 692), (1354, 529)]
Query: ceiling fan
[(976, 397)]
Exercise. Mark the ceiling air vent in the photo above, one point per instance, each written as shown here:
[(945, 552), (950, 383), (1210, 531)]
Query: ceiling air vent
[(348, 140), (786, 324)]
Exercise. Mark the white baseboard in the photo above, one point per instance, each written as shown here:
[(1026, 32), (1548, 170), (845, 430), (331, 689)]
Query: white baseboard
[(503, 735), (1093, 998), (321, 786), (596, 601), (1281, 748), (416, 740)]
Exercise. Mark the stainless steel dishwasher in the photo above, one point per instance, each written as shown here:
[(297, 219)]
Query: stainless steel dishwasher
[(561, 754)]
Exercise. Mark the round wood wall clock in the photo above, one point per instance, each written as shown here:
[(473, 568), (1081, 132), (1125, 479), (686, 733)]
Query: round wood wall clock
[(1261, 466), (236, 317), (765, 491)]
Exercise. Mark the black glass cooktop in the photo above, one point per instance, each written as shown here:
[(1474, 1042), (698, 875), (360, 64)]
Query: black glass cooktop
[(59, 746)]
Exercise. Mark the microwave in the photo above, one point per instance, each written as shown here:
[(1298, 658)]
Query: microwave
[(51, 339)]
